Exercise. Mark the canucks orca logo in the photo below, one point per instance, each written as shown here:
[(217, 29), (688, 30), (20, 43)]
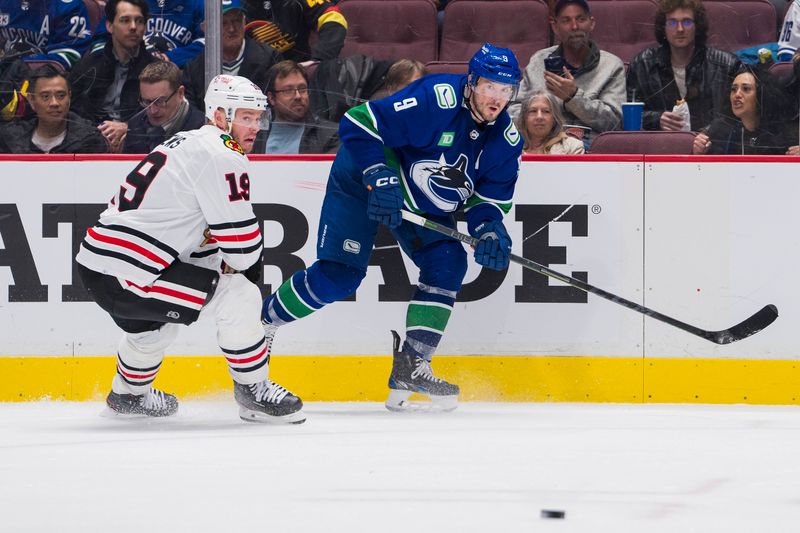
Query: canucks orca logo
[(447, 186)]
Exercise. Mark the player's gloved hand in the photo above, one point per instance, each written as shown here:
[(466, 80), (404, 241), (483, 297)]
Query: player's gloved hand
[(385, 195), (494, 245)]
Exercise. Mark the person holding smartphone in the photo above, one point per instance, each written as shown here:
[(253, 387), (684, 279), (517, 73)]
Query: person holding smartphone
[(589, 82)]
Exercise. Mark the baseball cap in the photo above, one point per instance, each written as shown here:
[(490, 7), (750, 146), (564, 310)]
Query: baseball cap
[(227, 5), (561, 4)]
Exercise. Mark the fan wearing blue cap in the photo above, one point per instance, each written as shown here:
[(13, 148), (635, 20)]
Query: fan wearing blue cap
[(442, 146)]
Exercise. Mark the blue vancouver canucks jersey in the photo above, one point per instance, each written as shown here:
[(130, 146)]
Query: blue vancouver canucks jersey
[(174, 25), (446, 161), (45, 30)]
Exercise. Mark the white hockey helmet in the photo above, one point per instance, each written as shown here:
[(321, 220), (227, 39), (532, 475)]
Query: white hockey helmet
[(235, 92)]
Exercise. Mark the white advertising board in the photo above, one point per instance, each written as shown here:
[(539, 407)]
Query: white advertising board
[(598, 231)]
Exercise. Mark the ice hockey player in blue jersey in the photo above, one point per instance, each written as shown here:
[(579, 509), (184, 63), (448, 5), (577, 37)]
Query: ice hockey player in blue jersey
[(443, 144), (173, 33), (45, 30)]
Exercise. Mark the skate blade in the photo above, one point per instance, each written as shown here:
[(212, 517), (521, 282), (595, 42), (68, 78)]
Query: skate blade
[(116, 415), (248, 415), (398, 402)]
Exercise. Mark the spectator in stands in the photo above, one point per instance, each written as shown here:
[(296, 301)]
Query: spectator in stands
[(241, 56), (57, 32), (753, 121), (286, 25), (541, 125), (54, 129), (341, 83), (400, 74), (589, 82), (166, 111), (682, 67), (105, 83), (174, 31), (294, 129)]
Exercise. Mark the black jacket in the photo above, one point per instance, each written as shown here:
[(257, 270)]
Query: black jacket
[(142, 137), (708, 79), (94, 74), (339, 84), (728, 137), (82, 137), (295, 20), (319, 137), (257, 60)]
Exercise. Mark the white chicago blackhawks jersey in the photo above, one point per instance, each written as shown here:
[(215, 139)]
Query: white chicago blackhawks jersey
[(193, 181)]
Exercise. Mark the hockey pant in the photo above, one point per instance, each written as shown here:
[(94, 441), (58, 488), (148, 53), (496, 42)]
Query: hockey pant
[(150, 316)]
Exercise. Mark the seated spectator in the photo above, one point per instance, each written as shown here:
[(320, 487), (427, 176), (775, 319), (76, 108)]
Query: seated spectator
[(174, 31), (541, 125), (166, 111), (589, 82), (682, 67), (54, 129), (400, 74), (286, 27), (753, 122), (241, 56), (105, 82), (294, 129), (53, 31)]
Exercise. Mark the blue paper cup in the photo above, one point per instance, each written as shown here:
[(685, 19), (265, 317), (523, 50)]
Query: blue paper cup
[(632, 116)]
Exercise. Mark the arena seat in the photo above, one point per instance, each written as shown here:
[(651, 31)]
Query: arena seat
[(521, 25), (391, 30), (624, 27), (782, 70), (447, 67), (643, 142), (740, 24)]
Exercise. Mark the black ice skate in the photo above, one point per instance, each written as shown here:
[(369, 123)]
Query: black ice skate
[(152, 403), (414, 374), (267, 401)]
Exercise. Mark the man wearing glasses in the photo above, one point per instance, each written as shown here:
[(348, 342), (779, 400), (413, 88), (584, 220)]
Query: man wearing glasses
[(55, 129), (681, 68), (165, 109), (294, 129)]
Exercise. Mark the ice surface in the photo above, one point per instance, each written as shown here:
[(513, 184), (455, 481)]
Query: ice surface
[(356, 467)]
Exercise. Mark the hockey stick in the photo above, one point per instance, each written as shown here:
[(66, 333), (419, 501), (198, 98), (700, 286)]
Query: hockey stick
[(748, 327)]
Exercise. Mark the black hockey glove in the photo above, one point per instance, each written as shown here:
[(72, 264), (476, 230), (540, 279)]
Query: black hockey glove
[(494, 245), (385, 195)]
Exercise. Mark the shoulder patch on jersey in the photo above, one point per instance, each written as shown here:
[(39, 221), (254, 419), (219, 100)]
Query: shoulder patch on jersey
[(231, 143), (511, 134), (445, 95)]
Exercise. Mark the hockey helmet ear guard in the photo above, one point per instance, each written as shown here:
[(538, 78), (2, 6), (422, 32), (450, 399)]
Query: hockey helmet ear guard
[(498, 65), (230, 93)]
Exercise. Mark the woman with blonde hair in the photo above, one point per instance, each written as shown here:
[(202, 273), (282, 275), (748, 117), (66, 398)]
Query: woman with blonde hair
[(541, 125)]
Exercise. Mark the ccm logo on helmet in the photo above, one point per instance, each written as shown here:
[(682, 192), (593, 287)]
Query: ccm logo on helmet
[(388, 180)]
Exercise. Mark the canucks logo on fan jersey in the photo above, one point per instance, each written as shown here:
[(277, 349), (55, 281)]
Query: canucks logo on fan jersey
[(446, 185)]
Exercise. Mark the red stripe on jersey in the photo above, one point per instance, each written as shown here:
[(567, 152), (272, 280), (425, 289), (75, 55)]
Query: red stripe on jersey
[(247, 359), (135, 376), (237, 238), (129, 245), (169, 292)]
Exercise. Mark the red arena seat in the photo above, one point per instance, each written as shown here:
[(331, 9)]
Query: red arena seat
[(740, 24), (624, 27), (521, 25), (643, 142), (398, 29)]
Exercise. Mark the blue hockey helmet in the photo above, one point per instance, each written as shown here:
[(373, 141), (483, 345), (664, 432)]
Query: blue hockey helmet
[(495, 64)]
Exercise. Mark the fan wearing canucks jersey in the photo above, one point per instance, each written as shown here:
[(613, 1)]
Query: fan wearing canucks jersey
[(40, 30), (443, 144)]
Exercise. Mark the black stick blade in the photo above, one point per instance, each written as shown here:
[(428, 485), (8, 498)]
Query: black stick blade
[(749, 326)]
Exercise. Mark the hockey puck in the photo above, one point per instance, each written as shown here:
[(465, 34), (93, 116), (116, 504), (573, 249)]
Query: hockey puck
[(553, 513)]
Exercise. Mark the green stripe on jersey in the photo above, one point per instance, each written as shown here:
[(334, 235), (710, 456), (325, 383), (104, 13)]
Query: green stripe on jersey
[(292, 302), (474, 200), (430, 316), (361, 115)]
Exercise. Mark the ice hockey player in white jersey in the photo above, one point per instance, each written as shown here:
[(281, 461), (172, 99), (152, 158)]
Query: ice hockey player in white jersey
[(179, 240)]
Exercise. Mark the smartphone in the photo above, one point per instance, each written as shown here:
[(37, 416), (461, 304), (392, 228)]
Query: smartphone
[(554, 64)]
